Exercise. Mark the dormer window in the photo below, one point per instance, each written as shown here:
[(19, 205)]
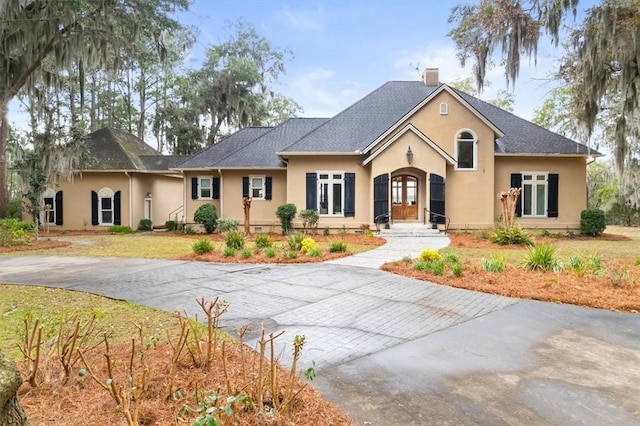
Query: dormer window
[(466, 151), (444, 108)]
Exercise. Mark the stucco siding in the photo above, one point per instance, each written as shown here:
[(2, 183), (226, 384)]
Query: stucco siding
[(572, 191)]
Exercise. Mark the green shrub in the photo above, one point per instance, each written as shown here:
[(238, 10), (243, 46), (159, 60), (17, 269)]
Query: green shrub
[(637, 262), (541, 257), (456, 269), (314, 252), (286, 213), (437, 267), (171, 225), (421, 265), (270, 252), (310, 219), (188, 229), (594, 263), (291, 255), (592, 222), (227, 225), (308, 244), (202, 246), (406, 259), (120, 229), (511, 235), (263, 241), (326, 232), (496, 263), (337, 247), (15, 208), (14, 232), (576, 263), (451, 258), (145, 225), (207, 215), (295, 241), (228, 252), (545, 233), (429, 255), (246, 253), (234, 240)]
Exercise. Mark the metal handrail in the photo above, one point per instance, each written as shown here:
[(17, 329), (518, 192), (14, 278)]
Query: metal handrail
[(176, 211), (429, 213)]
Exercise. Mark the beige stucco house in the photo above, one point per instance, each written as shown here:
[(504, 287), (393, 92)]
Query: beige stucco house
[(410, 151), (122, 181)]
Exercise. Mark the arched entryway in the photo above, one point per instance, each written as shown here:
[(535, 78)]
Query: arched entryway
[(404, 197)]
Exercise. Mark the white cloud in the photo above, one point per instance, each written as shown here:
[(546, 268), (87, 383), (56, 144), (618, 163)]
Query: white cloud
[(303, 19)]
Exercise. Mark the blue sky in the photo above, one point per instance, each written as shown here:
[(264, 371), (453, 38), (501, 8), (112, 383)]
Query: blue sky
[(345, 49)]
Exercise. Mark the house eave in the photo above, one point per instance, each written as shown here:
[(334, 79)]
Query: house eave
[(527, 154), (303, 153)]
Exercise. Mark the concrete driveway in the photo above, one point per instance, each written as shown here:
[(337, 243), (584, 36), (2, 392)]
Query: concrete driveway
[(396, 351)]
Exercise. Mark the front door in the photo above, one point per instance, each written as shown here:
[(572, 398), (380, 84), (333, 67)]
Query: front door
[(404, 193)]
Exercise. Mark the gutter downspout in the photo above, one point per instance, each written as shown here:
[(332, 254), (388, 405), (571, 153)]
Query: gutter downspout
[(221, 196), (130, 198)]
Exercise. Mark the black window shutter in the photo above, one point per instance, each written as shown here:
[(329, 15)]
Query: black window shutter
[(312, 191), (349, 194), (215, 188), (94, 208), (245, 187), (437, 199), (194, 188), (58, 208), (267, 188), (552, 196), (381, 198), (117, 217), (516, 182)]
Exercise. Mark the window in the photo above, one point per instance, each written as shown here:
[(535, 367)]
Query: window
[(204, 187), (466, 152), (105, 207), (444, 108), (256, 187), (49, 199), (331, 194), (534, 194)]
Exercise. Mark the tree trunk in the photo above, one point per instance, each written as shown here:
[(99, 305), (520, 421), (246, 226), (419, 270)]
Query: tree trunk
[(4, 137), (143, 100), (11, 412)]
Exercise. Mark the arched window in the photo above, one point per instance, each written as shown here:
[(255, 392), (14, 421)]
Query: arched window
[(105, 206), (466, 150), (444, 108)]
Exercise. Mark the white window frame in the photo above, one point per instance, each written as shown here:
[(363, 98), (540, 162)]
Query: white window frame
[(330, 181), (262, 188), (444, 108), (474, 141), (49, 193), (534, 193), (105, 193), (201, 188)]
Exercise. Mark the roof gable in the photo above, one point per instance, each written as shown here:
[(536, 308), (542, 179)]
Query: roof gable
[(410, 128)]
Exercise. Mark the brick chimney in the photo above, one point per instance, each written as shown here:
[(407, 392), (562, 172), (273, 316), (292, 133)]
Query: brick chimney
[(430, 77)]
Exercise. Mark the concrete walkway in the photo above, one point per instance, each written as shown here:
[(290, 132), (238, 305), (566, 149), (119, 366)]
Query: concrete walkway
[(395, 249), (392, 350)]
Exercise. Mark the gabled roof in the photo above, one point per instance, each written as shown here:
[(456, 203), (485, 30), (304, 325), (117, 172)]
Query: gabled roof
[(112, 149), (356, 127), (522, 136), (228, 145)]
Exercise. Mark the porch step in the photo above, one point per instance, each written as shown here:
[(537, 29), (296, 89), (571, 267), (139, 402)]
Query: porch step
[(410, 230)]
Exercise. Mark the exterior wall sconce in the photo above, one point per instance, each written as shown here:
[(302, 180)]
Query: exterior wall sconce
[(148, 195), (409, 156)]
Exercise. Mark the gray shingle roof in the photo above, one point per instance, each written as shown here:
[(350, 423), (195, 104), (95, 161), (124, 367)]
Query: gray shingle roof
[(262, 151), (222, 149), (363, 122), (161, 162), (522, 136), (112, 149)]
